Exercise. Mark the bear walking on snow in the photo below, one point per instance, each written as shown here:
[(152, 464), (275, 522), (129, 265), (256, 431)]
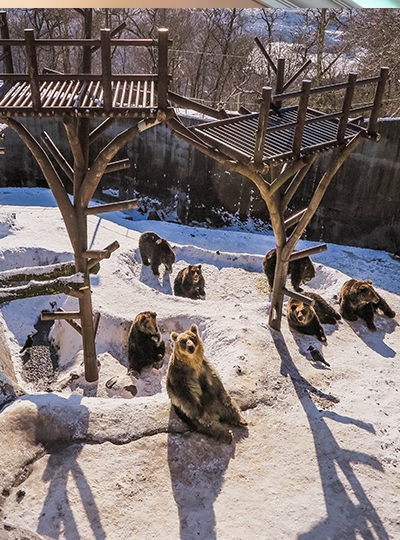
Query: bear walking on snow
[(196, 391), (154, 251), (359, 299), (145, 345), (300, 270), (189, 282)]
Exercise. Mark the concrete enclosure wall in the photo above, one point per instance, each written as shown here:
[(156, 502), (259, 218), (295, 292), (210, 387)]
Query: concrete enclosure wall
[(361, 206)]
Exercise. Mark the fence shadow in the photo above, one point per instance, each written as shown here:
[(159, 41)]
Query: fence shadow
[(346, 519)]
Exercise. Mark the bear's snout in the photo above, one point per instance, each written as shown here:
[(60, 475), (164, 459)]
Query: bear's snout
[(190, 347)]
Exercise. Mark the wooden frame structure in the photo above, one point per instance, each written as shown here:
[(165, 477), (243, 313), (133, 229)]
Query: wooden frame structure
[(76, 99), (273, 148), (276, 147)]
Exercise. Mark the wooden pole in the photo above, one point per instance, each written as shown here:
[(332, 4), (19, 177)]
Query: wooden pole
[(33, 69), (4, 33), (162, 85), (262, 126)]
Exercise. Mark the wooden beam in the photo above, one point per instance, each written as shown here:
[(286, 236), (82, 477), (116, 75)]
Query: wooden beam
[(96, 320), (191, 104), (266, 55), (100, 129), (32, 68), (346, 108), (106, 69), (162, 83), (74, 142), (380, 88), (299, 297), (118, 166), (288, 171), (301, 117), (112, 207), (295, 183), (280, 77), (76, 326), (301, 253), (295, 218), (294, 77), (59, 315), (101, 253), (58, 157), (262, 126)]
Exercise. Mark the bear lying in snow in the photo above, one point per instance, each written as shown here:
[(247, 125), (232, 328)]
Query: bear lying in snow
[(189, 282), (300, 270), (359, 299), (145, 345), (154, 251), (304, 319), (326, 313), (196, 391)]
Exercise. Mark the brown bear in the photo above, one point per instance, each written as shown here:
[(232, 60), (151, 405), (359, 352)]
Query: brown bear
[(304, 319), (300, 270), (196, 391), (359, 299), (189, 282), (145, 345), (154, 251), (326, 313)]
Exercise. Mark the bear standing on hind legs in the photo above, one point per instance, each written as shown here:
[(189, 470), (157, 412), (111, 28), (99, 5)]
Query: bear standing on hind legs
[(196, 391), (154, 251)]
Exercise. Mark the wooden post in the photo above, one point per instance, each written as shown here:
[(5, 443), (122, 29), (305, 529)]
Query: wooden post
[(280, 77), (373, 119), (32, 68), (262, 126), (301, 117), (106, 69), (348, 98), (162, 86), (4, 34)]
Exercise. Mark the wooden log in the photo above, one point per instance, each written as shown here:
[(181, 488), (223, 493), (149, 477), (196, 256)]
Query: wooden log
[(301, 253), (96, 320), (101, 253), (346, 108), (294, 77), (262, 126), (106, 68), (59, 315), (301, 117), (42, 288), (112, 207), (76, 326), (380, 88), (162, 83), (37, 273), (295, 218), (299, 297), (100, 129), (32, 68), (59, 158), (266, 55), (280, 77), (191, 104), (295, 183), (118, 166), (73, 139)]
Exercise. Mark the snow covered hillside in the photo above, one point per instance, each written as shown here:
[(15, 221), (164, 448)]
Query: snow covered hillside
[(321, 456)]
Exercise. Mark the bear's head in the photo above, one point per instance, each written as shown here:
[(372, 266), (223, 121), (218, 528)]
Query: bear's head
[(365, 292), (167, 253), (308, 269), (146, 322), (195, 272), (188, 346), (300, 312)]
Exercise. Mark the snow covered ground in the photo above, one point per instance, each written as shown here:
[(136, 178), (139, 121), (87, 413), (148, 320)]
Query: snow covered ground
[(321, 456)]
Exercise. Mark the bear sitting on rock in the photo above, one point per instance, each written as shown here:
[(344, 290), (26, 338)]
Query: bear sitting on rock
[(189, 282), (359, 299), (154, 251), (145, 345), (300, 270), (196, 391)]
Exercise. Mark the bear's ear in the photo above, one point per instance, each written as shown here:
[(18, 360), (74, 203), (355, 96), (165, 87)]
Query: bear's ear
[(199, 266), (369, 281), (189, 267), (159, 241), (153, 314), (194, 329), (174, 335)]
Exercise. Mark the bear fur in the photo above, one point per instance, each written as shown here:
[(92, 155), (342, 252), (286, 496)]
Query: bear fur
[(189, 282), (359, 299), (154, 251), (304, 319), (145, 345), (326, 313), (196, 391), (300, 270)]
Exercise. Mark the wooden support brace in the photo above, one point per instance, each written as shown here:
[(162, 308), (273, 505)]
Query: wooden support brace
[(112, 207), (33, 68), (307, 252), (76, 326), (262, 127), (295, 218), (96, 320), (59, 315), (101, 253), (106, 68), (59, 158), (100, 129), (118, 166), (299, 297)]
